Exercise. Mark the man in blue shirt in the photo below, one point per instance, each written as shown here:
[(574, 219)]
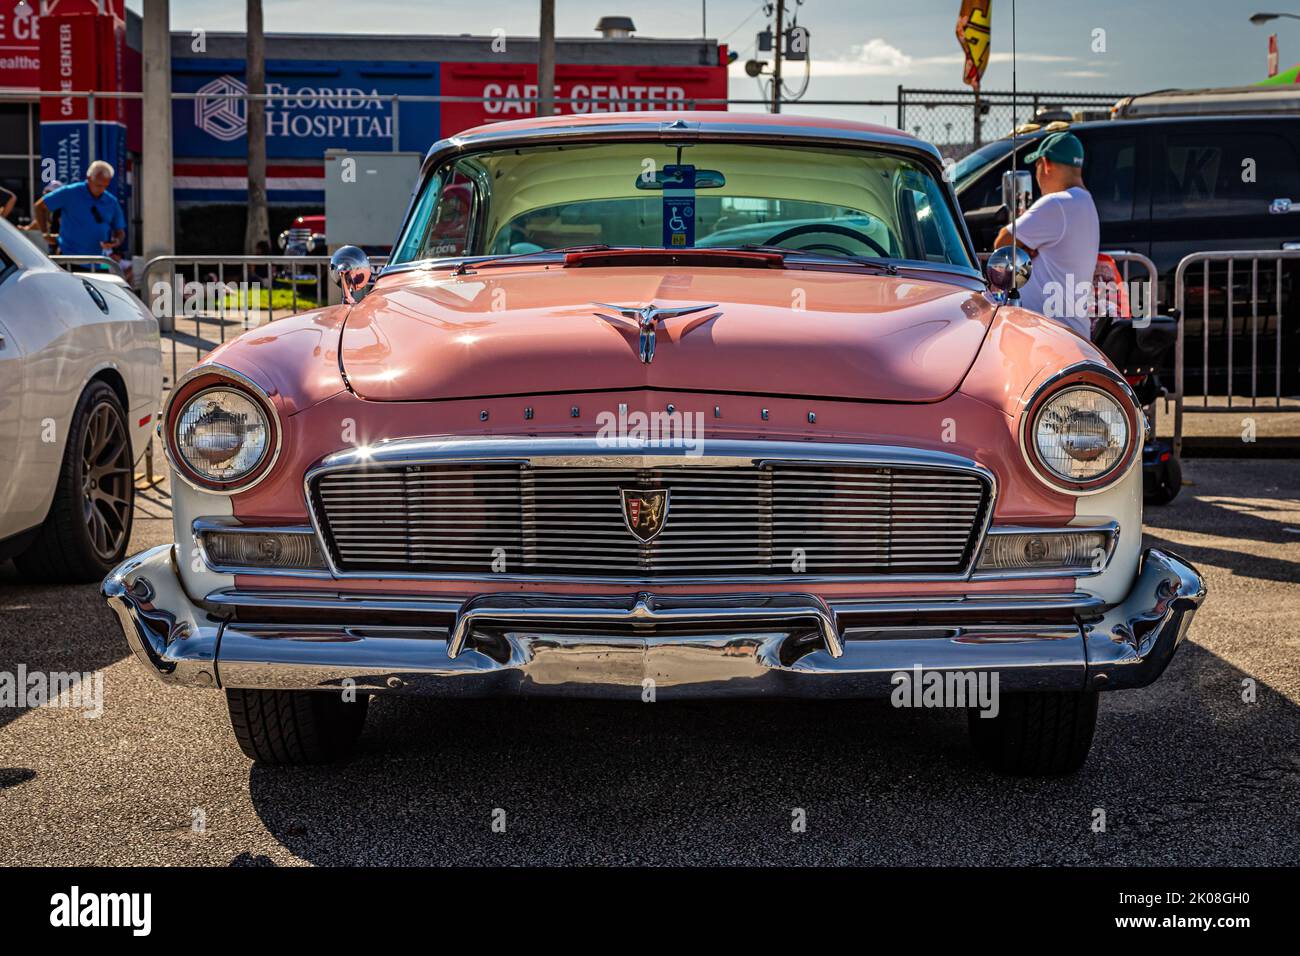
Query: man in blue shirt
[(91, 221)]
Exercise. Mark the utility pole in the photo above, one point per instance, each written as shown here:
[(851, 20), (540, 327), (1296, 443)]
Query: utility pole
[(156, 194), (258, 229), (546, 60), (777, 37)]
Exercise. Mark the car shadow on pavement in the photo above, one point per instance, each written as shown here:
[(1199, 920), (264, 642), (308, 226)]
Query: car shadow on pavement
[(53, 630), (1177, 769), (1261, 518), (68, 628), (1240, 563)]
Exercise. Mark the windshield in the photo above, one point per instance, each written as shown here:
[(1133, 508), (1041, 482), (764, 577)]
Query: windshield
[(974, 162), (824, 202)]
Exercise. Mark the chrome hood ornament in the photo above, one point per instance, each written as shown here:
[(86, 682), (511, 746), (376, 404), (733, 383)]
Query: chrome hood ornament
[(646, 318)]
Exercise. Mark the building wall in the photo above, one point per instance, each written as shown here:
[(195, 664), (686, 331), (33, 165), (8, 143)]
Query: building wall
[(328, 73), (332, 80)]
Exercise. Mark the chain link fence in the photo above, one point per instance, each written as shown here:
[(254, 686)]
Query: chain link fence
[(958, 122)]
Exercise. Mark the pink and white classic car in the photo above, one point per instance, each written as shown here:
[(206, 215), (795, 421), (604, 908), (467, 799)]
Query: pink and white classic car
[(658, 406)]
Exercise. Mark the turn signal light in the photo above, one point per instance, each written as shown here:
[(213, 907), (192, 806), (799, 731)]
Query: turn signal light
[(1069, 552), (262, 549)]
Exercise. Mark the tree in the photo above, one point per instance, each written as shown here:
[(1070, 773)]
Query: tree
[(258, 229)]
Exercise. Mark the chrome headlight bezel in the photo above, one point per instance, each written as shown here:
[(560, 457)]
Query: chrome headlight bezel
[(193, 385), (1096, 378)]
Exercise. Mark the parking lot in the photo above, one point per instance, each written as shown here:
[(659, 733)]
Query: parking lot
[(1185, 771)]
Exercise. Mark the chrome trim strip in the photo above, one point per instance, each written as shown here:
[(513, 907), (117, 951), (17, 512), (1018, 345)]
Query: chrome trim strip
[(281, 599), (165, 431), (226, 523), (1030, 412), (591, 452), (743, 610), (1111, 529), (234, 599), (1077, 602)]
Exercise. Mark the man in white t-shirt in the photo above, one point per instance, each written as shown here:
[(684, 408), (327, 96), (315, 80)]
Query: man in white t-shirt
[(1062, 234)]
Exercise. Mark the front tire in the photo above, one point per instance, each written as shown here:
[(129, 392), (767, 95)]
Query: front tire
[(88, 526), (295, 726), (1036, 733)]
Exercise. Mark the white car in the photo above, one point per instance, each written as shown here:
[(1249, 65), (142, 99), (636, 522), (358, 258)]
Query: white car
[(80, 377)]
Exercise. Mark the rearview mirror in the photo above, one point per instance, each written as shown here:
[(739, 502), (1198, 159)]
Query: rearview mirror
[(675, 177)]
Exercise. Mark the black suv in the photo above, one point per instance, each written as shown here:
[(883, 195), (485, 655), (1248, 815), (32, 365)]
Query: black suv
[(1166, 187)]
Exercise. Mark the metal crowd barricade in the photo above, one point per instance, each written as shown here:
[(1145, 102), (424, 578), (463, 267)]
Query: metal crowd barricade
[(1126, 260), (70, 261), (181, 289), (1251, 258)]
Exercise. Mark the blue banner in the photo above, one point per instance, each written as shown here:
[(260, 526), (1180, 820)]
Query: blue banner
[(67, 143), (329, 106)]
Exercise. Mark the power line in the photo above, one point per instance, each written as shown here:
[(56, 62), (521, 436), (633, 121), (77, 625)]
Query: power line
[(758, 9)]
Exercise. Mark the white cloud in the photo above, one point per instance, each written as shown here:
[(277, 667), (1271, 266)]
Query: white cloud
[(876, 57), (879, 57), (878, 53)]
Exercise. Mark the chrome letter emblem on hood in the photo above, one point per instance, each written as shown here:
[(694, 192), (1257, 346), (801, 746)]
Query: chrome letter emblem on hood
[(645, 510), (646, 317)]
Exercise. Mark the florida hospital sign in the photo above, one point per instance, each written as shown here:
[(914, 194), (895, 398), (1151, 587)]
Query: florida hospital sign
[(304, 112)]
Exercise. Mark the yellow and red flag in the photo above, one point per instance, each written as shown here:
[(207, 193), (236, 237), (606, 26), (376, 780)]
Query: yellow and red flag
[(973, 27)]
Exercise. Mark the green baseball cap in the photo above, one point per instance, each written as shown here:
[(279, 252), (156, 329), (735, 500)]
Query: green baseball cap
[(1063, 148)]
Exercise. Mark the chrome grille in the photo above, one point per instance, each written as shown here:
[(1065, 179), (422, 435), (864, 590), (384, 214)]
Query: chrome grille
[(770, 519)]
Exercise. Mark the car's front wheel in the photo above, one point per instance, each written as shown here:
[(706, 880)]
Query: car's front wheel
[(294, 726), (1037, 733), (89, 523)]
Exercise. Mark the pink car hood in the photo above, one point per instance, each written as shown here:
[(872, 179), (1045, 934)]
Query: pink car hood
[(535, 330)]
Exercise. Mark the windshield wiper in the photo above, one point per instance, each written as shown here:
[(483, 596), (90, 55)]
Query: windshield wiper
[(886, 267), (466, 264)]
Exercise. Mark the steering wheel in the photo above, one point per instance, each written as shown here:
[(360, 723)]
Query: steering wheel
[(835, 228)]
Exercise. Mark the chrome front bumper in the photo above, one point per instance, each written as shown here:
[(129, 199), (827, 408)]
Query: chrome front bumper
[(791, 645)]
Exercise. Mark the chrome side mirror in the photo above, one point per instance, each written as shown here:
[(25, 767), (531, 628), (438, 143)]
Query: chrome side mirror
[(350, 270), (1017, 192), (1008, 269)]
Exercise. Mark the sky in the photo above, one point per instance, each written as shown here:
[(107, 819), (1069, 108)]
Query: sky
[(863, 49)]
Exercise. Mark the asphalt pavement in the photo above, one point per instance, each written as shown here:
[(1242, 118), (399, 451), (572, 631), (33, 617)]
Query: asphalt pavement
[(1185, 771)]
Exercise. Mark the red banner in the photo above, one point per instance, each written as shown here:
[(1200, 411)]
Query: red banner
[(20, 45), (20, 34), (68, 64), (597, 89)]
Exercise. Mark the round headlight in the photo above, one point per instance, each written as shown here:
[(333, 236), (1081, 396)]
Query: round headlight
[(222, 435), (1081, 434)]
